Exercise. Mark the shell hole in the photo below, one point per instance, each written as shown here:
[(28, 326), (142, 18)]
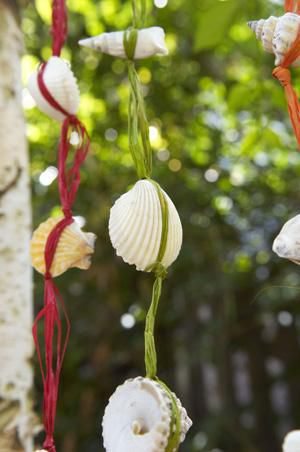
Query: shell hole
[(139, 428)]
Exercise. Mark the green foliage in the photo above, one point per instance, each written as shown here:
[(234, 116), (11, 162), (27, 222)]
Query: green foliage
[(225, 153)]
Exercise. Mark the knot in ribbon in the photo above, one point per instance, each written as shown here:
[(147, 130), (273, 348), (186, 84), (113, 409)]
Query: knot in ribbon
[(49, 444), (283, 75)]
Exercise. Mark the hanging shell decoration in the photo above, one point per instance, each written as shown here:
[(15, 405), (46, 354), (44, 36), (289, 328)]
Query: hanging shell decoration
[(135, 227), (150, 41), (287, 243), (138, 418), (61, 84), (292, 442), (277, 34), (74, 249)]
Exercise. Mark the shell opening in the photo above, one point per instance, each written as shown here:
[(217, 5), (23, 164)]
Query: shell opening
[(138, 428)]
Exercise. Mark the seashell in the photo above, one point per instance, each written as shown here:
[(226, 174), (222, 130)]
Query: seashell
[(150, 41), (292, 442), (61, 84), (138, 418), (74, 248), (287, 243), (277, 34), (135, 227)]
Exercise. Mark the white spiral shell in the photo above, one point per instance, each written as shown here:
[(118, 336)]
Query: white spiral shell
[(292, 442), (138, 418), (277, 34), (61, 84), (287, 243), (135, 227), (150, 41)]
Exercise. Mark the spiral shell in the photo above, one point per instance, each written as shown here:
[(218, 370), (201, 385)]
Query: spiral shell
[(292, 442), (138, 418), (61, 84), (287, 243), (277, 34), (74, 248), (135, 227), (150, 41)]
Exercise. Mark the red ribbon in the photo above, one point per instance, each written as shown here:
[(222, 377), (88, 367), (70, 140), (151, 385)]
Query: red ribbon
[(292, 6), (59, 25), (55, 345)]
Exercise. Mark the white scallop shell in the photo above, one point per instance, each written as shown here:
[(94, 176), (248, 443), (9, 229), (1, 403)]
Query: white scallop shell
[(277, 34), (62, 85), (150, 41), (135, 227), (292, 442), (138, 418), (287, 243)]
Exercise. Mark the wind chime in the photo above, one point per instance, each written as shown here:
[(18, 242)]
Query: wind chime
[(143, 415), (281, 36), (59, 243)]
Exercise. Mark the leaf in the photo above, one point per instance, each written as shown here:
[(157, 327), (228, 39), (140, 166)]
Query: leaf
[(214, 19)]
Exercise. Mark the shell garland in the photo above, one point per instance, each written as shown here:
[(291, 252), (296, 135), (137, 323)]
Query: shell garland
[(74, 248), (61, 84), (277, 34), (150, 42), (287, 243), (138, 418), (292, 442), (135, 227)]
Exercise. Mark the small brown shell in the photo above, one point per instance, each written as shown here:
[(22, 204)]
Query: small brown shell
[(74, 248)]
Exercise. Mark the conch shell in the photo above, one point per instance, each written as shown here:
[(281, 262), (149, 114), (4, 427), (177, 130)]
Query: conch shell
[(150, 41), (74, 248), (61, 84), (287, 243), (292, 442), (135, 227), (138, 418), (277, 34)]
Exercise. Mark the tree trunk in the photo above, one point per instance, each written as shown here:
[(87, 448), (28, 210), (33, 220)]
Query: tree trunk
[(16, 419)]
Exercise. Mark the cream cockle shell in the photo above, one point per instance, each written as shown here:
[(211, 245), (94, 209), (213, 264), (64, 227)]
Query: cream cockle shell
[(74, 248), (138, 418), (277, 34), (292, 442), (61, 84), (287, 243), (135, 227), (150, 41)]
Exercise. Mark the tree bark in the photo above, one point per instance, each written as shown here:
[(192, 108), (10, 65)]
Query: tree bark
[(16, 375)]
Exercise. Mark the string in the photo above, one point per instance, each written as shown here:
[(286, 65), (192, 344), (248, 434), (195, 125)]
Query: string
[(283, 75), (140, 148), (292, 6), (55, 344), (59, 26)]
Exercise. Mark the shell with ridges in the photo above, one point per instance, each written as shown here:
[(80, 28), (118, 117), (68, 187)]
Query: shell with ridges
[(138, 418), (292, 442), (61, 84), (74, 248), (287, 243), (150, 41), (277, 34), (135, 227)]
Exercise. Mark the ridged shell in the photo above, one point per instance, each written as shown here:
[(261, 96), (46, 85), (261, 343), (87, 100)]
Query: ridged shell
[(277, 34), (74, 248), (287, 243), (62, 85), (150, 41), (292, 442), (138, 418), (135, 227)]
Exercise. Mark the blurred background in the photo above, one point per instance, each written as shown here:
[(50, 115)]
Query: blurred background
[(229, 320)]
